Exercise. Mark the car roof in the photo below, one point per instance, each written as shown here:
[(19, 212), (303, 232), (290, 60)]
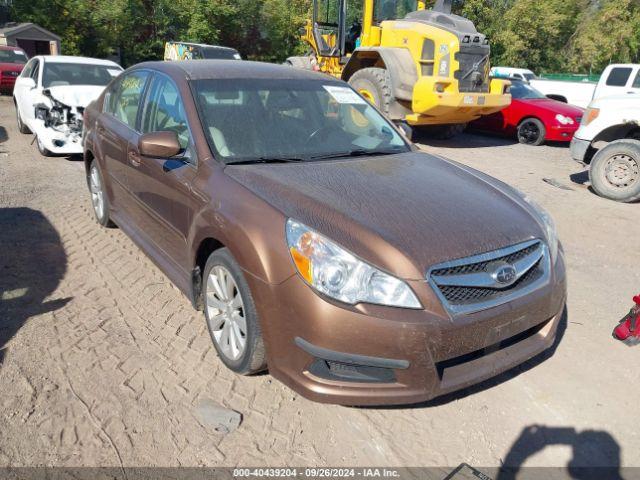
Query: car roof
[(73, 59), (233, 69), (10, 47)]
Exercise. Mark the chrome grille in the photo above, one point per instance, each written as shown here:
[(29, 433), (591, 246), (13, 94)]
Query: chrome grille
[(474, 283)]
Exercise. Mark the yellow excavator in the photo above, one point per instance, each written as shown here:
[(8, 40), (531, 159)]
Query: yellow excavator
[(417, 65)]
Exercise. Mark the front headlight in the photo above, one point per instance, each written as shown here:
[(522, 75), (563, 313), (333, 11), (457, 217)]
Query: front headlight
[(549, 225), (564, 120), (339, 274)]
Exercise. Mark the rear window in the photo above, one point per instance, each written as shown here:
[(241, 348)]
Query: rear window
[(13, 56), (619, 77)]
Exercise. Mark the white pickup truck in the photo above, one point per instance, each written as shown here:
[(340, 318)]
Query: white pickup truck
[(608, 140), (616, 79)]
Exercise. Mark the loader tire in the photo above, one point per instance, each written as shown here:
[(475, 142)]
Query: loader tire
[(447, 132), (374, 84)]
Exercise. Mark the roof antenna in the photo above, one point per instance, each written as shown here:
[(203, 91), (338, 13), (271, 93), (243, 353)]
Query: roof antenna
[(443, 6)]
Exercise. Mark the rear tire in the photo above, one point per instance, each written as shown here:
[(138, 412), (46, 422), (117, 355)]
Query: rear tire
[(531, 131), (22, 128), (374, 84), (615, 171), (231, 315)]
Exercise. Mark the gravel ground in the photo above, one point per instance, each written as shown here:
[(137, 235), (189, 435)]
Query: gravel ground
[(104, 363)]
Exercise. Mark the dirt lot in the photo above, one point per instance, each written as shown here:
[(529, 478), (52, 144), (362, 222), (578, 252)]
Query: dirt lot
[(103, 362)]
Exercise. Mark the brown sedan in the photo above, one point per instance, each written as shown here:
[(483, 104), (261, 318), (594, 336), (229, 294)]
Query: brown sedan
[(316, 239)]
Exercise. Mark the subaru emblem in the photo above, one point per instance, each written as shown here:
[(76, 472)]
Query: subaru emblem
[(504, 274)]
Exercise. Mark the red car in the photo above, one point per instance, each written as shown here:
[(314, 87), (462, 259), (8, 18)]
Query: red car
[(532, 117), (12, 60)]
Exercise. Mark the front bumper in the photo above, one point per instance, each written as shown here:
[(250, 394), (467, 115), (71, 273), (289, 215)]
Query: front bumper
[(453, 107), (561, 133), (56, 142), (374, 355), (579, 149)]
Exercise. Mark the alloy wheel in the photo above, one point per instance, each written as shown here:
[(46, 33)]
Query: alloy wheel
[(97, 194), (622, 171), (528, 133), (226, 313)]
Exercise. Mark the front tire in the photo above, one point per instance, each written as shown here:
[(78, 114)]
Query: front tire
[(99, 198), (22, 128), (615, 171), (374, 84), (531, 131), (231, 315)]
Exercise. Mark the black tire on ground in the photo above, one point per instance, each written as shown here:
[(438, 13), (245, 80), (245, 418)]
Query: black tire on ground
[(531, 131), (445, 132), (376, 82), (103, 217), (22, 128), (253, 359), (615, 171), (42, 149)]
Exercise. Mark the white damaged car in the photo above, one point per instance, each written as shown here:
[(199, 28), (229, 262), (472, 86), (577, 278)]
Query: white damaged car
[(51, 94)]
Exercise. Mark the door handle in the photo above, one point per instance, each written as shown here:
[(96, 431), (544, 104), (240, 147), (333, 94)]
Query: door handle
[(134, 158)]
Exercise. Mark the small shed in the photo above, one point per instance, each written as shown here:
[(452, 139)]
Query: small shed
[(32, 38)]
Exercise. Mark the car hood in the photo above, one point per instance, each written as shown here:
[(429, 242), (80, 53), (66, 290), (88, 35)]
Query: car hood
[(76, 95), (555, 107), (402, 213)]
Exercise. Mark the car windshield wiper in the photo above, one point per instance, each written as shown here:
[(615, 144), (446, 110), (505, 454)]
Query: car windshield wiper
[(355, 153), (266, 160)]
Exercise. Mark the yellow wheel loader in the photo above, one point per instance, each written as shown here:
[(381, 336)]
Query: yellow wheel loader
[(419, 66)]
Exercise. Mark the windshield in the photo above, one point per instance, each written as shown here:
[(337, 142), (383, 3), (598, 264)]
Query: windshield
[(12, 56), (56, 74), (522, 90), (393, 9), (529, 76), (257, 119)]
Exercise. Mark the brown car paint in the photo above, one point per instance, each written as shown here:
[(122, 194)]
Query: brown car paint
[(402, 213)]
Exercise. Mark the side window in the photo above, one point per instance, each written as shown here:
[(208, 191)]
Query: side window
[(636, 81), (124, 100), (619, 77), (26, 72), (164, 111), (36, 72)]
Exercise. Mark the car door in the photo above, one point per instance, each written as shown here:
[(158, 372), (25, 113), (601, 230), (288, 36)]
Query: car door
[(25, 92), (20, 86), (162, 186), (116, 128)]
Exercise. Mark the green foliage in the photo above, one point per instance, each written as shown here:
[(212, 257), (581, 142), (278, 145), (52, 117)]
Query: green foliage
[(543, 35)]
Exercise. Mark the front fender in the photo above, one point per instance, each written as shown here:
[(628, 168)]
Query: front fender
[(252, 230)]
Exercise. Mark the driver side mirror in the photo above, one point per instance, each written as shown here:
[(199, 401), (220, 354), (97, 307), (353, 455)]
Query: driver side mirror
[(159, 145), (406, 130), (29, 83)]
